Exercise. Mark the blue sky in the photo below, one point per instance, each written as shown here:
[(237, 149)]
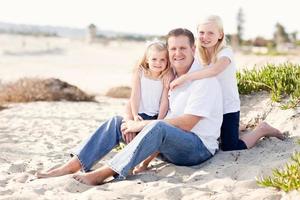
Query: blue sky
[(153, 16)]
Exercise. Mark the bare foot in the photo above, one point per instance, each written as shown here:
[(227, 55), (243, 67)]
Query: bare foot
[(242, 127), (88, 179), (270, 131), (96, 177), (60, 171), (140, 168)]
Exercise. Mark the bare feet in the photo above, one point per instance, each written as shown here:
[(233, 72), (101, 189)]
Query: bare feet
[(242, 127), (269, 131), (263, 129), (70, 167), (88, 179), (53, 173), (96, 177), (140, 168)]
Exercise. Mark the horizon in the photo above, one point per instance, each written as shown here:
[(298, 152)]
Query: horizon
[(154, 17)]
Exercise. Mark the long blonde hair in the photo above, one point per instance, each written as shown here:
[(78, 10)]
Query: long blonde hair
[(205, 57), (143, 64)]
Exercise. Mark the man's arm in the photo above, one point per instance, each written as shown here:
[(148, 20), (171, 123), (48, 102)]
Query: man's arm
[(185, 122)]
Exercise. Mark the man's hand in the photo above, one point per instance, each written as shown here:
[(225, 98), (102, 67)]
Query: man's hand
[(131, 126), (127, 137)]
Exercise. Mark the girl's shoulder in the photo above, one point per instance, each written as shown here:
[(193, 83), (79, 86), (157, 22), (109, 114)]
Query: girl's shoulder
[(226, 49), (225, 52), (139, 71)]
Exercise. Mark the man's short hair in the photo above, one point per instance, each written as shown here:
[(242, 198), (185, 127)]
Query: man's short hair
[(182, 31)]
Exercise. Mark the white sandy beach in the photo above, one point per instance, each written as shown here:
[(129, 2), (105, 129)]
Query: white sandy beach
[(38, 135)]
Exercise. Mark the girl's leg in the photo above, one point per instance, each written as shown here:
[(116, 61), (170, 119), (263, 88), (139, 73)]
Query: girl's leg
[(262, 130), (107, 136), (144, 165), (175, 145), (230, 133)]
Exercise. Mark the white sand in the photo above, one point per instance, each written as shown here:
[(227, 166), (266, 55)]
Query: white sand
[(39, 135)]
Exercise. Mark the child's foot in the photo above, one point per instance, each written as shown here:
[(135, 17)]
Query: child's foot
[(140, 168), (270, 131), (242, 127)]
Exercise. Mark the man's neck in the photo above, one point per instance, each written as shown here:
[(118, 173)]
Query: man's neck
[(183, 70)]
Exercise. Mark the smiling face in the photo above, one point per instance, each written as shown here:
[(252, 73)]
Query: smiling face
[(209, 35), (181, 53), (157, 61)]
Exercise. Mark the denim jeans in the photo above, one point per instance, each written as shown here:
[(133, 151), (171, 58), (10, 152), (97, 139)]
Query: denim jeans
[(147, 117), (175, 145)]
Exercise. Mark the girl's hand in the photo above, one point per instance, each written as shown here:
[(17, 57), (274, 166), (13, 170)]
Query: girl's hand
[(137, 118), (168, 78), (178, 81)]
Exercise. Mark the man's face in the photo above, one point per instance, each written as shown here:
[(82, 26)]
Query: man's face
[(181, 53)]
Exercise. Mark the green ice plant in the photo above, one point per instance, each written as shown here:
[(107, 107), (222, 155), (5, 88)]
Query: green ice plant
[(285, 179), (282, 80)]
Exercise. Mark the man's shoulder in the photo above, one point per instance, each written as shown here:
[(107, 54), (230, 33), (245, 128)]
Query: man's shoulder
[(204, 81), (207, 84)]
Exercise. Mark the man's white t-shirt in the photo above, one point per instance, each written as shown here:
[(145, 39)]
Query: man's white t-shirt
[(228, 82), (201, 98)]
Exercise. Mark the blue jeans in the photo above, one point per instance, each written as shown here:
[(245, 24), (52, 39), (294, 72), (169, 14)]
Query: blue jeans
[(175, 145), (230, 133)]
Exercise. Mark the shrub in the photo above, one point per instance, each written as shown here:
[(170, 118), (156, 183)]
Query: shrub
[(286, 179), (281, 80), (34, 89), (119, 92)]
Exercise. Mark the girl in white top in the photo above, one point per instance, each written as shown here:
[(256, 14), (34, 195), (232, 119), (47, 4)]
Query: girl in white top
[(218, 61), (149, 96)]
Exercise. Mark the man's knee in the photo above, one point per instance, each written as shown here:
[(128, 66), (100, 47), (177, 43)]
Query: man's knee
[(157, 124), (117, 119)]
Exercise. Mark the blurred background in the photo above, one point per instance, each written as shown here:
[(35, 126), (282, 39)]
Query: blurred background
[(95, 44)]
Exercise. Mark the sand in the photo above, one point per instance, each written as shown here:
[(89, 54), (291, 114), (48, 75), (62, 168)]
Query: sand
[(38, 135)]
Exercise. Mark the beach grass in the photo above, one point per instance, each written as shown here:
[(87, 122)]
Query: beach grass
[(281, 80)]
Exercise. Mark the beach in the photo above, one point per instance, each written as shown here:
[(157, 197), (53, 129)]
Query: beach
[(39, 135)]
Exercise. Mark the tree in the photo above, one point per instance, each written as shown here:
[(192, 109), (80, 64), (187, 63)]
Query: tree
[(294, 36), (280, 35), (240, 25)]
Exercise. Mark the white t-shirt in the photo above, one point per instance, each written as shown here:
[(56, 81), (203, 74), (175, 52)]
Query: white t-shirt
[(228, 82), (151, 91), (201, 98)]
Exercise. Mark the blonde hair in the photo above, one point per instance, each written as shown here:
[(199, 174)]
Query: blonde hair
[(143, 64), (205, 57)]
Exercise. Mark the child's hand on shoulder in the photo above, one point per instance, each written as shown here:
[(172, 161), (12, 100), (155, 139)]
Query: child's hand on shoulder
[(167, 78), (178, 81)]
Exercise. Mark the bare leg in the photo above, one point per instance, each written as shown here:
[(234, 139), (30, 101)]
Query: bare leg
[(72, 166), (96, 177), (242, 127), (262, 130), (144, 165)]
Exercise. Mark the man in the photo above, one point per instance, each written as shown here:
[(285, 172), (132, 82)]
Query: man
[(188, 136)]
